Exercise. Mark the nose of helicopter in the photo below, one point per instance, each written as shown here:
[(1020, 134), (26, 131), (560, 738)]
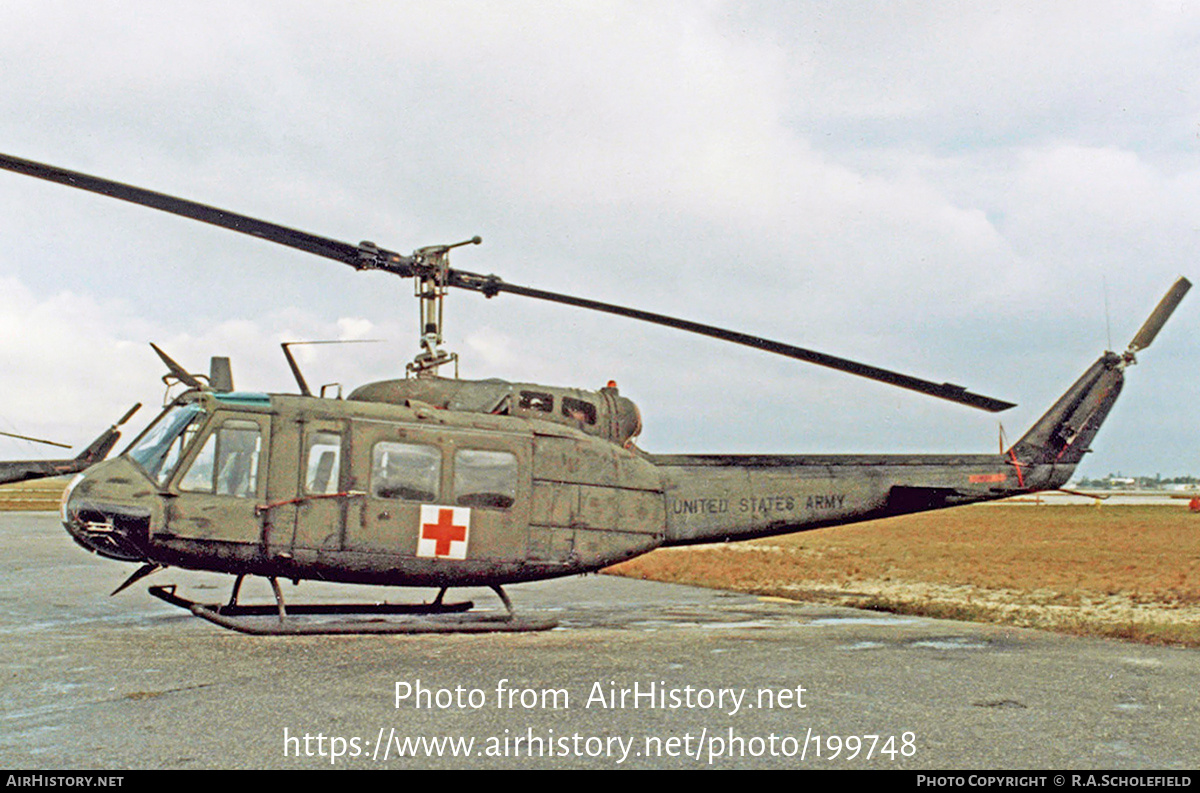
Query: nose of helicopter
[(104, 526)]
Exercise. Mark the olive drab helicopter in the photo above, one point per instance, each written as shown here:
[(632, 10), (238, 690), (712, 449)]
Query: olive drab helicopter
[(439, 482)]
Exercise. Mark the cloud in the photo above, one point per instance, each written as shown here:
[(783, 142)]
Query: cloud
[(72, 364), (938, 192)]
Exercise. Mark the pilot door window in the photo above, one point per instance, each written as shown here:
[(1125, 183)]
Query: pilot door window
[(484, 478), (227, 464), (406, 471), (160, 447)]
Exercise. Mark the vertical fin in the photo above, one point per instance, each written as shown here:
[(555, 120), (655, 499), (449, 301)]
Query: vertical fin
[(1064, 433)]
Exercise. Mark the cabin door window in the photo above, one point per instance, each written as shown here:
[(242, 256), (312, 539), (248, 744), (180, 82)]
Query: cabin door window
[(323, 469)]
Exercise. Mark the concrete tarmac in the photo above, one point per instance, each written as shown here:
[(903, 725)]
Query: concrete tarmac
[(638, 675)]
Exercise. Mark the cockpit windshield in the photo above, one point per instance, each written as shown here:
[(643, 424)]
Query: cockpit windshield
[(160, 447)]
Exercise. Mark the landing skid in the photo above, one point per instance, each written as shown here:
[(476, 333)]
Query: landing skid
[(282, 620)]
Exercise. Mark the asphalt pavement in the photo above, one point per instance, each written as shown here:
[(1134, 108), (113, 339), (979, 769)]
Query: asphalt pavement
[(637, 675)]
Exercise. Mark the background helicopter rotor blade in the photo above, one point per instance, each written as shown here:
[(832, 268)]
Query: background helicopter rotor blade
[(128, 414), (35, 440), (367, 256), (491, 285), (360, 257), (1162, 312)]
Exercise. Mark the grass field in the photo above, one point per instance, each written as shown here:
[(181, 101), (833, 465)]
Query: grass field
[(1125, 571), (35, 495)]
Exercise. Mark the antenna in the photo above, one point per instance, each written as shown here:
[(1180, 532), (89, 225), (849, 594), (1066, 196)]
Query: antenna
[(300, 381), (1107, 316)]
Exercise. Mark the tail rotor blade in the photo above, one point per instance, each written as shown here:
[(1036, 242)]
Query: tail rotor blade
[(1162, 312)]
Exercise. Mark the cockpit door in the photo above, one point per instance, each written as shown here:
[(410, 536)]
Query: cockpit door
[(216, 491)]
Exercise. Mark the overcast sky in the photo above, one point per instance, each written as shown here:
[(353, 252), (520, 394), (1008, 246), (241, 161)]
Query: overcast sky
[(988, 194)]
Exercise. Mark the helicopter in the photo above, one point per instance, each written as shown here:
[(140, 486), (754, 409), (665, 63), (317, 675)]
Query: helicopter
[(431, 481), (97, 450)]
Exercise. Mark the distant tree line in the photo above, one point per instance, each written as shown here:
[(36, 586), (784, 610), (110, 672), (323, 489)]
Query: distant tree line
[(1156, 482)]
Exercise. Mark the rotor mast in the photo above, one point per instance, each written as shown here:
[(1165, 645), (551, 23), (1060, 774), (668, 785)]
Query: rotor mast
[(431, 280)]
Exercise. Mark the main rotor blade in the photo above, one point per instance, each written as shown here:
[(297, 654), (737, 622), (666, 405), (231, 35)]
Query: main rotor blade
[(368, 256), (491, 285), (177, 371), (1162, 312), (358, 257)]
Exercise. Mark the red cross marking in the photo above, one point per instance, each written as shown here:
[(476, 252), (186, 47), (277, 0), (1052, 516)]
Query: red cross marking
[(444, 532)]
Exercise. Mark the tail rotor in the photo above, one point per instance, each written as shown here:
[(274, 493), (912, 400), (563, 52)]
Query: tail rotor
[(1162, 312)]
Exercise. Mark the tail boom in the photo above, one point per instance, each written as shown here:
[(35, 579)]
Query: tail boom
[(718, 498)]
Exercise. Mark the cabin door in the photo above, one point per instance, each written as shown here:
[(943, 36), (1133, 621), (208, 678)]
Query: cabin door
[(307, 508), (441, 494)]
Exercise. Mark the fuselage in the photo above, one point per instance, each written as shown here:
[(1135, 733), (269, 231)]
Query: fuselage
[(412, 494)]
